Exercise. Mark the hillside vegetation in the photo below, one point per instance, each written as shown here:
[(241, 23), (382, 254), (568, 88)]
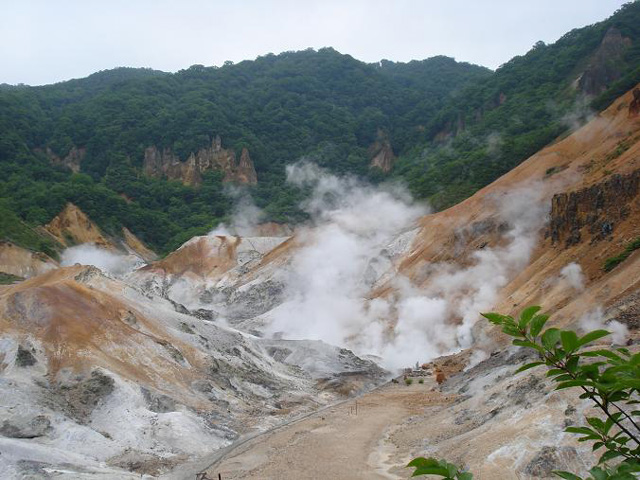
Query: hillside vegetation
[(455, 127)]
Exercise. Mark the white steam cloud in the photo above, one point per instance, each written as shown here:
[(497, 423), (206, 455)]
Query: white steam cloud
[(113, 263), (349, 249), (246, 216), (573, 276), (595, 320)]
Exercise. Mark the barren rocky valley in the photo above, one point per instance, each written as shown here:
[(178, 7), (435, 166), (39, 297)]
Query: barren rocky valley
[(279, 268), (147, 367)]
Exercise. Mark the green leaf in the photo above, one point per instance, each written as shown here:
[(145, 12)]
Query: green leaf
[(629, 383), (494, 318), (465, 476), (527, 344), (526, 316), (572, 364), (574, 383), (592, 336), (567, 475), (598, 474), (550, 337), (431, 471), (596, 423), (423, 462), (580, 430), (609, 455), (512, 331), (537, 324), (603, 353), (569, 340), (528, 366)]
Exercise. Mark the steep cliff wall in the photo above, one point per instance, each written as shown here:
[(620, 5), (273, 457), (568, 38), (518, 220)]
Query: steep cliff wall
[(593, 213), (604, 68), (213, 158), (72, 160), (381, 153)]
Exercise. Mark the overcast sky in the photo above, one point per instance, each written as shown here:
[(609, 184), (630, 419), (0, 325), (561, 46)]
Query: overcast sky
[(46, 41)]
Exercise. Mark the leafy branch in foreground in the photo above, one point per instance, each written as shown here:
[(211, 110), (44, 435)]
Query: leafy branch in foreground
[(431, 466), (610, 378)]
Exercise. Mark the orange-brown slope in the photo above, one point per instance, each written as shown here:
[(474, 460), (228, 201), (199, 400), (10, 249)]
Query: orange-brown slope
[(589, 183), (201, 256), (82, 327), (72, 226), (22, 262)]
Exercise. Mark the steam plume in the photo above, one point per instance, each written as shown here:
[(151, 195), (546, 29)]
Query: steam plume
[(88, 254), (354, 225)]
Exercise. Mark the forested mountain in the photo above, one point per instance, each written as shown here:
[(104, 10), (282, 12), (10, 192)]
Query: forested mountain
[(453, 126)]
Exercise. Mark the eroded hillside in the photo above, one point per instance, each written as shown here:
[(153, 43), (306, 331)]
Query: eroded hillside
[(137, 370)]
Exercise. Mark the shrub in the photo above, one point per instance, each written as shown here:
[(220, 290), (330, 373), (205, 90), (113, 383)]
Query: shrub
[(421, 381), (408, 381), (612, 262)]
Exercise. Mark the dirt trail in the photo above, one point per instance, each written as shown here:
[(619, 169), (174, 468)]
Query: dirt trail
[(335, 443)]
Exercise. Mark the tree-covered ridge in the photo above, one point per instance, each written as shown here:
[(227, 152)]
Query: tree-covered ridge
[(495, 123), (280, 107), (455, 126)]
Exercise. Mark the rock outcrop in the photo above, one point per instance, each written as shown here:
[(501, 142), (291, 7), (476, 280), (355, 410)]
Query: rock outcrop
[(72, 226), (599, 208), (381, 153), (603, 69), (72, 160), (23, 263), (164, 163), (634, 106)]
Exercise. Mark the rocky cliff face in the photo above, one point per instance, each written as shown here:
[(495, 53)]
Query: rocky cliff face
[(634, 106), (72, 160), (73, 227), (603, 68), (214, 158), (593, 213), (381, 153)]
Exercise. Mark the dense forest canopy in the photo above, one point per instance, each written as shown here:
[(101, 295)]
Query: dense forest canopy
[(453, 126)]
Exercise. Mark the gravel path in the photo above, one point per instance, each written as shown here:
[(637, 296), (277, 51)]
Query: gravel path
[(334, 443)]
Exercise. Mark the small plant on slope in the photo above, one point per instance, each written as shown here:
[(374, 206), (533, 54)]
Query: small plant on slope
[(610, 378)]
